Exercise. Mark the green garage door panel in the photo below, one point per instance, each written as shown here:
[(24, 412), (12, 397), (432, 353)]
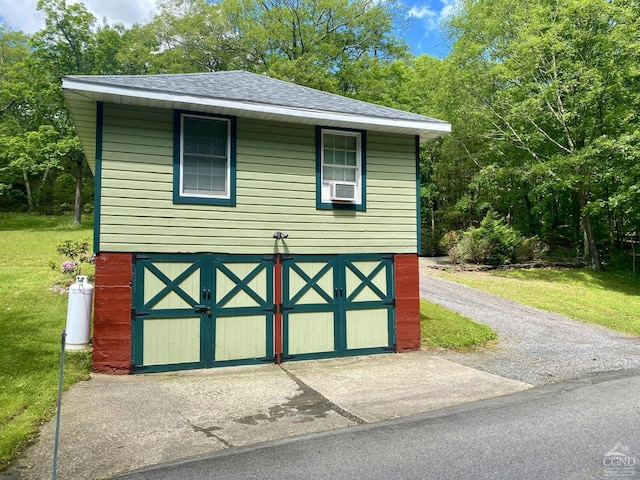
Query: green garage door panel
[(240, 337), (171, 340), (366, 281), (167, 297), (336, 305), (201, 310), (367, 328), (243, 308), (310, 332)]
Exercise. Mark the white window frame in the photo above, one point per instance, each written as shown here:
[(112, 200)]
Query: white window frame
[(227, 194), (325, 184)]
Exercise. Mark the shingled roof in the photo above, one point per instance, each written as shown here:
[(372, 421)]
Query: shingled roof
[(245, 94), (243, 86)]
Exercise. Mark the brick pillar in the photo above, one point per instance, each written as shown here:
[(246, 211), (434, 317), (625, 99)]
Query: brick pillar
[(112, 313), (407, 288)]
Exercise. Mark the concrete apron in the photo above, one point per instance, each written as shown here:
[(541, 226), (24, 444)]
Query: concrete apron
[(114, 424)]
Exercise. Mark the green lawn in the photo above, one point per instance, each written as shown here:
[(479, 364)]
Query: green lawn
[(441, 327), (609, 298), (31, 320)]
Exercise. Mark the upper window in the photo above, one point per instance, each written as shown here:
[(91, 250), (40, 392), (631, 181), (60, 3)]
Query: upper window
[(204, 163), (340, 157)]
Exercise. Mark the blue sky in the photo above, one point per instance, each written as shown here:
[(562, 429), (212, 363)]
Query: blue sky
[(423, 35)]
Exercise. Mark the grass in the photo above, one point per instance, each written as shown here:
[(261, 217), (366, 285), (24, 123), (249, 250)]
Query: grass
[(608, 298), (441, 327), (31, 321)]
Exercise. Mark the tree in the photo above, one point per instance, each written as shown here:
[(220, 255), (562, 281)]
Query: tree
[(69, 44), (324, 44), (552, 79)]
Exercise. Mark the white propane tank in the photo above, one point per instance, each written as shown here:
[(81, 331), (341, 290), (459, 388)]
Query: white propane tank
[(79, 314)]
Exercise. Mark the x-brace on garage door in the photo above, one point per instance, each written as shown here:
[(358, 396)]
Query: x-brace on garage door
[(205, 310), (198, 311)]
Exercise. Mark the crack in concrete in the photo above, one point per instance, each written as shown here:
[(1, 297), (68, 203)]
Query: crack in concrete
[(209, 433), (310, 392)]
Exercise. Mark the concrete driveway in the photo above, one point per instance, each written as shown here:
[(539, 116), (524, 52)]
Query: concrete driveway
[(114, 424)]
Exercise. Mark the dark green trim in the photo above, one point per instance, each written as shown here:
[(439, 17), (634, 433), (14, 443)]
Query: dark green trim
[(241, 284), (171, 285), (345, 353), (418, 197), (97, 175), (320, 205), (170, 367), (177, 196)]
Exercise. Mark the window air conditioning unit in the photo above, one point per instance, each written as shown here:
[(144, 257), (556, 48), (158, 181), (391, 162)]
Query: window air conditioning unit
[(342, 192)]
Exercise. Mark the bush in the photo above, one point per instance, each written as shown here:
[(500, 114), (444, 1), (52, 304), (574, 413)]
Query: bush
[(493, 243), (530, 249), (78, 255)]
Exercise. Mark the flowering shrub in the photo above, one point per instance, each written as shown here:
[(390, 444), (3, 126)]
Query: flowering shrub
[(78, 255)]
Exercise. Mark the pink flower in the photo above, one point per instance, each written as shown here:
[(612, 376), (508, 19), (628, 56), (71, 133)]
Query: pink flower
[(69, 267)]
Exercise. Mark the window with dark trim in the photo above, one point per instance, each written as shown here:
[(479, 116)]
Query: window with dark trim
[(340, 169), (204, 159)]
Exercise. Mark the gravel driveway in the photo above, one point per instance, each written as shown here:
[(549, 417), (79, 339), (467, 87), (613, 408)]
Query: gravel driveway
[(534, 346)]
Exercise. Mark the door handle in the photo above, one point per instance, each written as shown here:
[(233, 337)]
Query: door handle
[(202, 309)]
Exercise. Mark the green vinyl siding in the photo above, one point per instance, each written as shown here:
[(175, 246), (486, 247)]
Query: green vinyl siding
[(276, 190)]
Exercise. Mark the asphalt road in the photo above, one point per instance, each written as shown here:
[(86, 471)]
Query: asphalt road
[(581, 429)]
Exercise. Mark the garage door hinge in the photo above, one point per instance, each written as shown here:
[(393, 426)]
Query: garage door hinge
[(135, 313), (284, 257), (140, 257), (391, 303)]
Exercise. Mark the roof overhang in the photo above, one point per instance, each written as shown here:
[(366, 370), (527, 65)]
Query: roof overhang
[(94, 92)]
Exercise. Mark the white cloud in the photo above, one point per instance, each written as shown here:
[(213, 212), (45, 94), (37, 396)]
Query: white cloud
[(422, 12), (122, 11), (448, 8), (433, 14), (22, 15)]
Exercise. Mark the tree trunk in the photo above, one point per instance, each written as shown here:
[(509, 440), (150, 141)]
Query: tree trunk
[(434, 244), (77, 204), (27, 186), (41, 187), (590, 248)]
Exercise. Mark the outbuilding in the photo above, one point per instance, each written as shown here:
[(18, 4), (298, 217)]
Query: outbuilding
[(242, 219)]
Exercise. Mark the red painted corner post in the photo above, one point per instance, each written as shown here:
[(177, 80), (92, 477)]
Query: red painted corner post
[(407, 289), (112, 313)]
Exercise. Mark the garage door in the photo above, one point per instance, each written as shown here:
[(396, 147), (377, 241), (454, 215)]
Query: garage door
[(337, 305), (197, 311)]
